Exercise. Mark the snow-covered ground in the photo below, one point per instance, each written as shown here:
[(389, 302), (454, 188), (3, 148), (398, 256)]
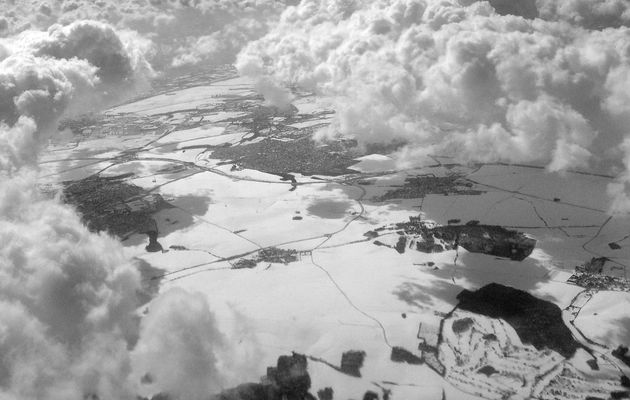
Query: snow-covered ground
[(344, 292)]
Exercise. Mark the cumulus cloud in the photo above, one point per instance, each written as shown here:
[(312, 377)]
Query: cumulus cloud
[(620, 190), (221, 46), (67, 69), (41, 88), (68, 297), (179, 345), (94, 42), (595, 14), (183, 33), (482, 81), (16, 144), (70, 328), (182, 351)]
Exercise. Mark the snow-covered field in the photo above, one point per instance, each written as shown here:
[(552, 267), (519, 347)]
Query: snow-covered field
[(344, 292)]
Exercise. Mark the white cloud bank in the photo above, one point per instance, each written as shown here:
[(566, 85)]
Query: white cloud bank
[(68, 297), (457, 77), (67, 69), (178, 32)]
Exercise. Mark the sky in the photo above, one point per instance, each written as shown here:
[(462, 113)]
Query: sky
[(537, 81)]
